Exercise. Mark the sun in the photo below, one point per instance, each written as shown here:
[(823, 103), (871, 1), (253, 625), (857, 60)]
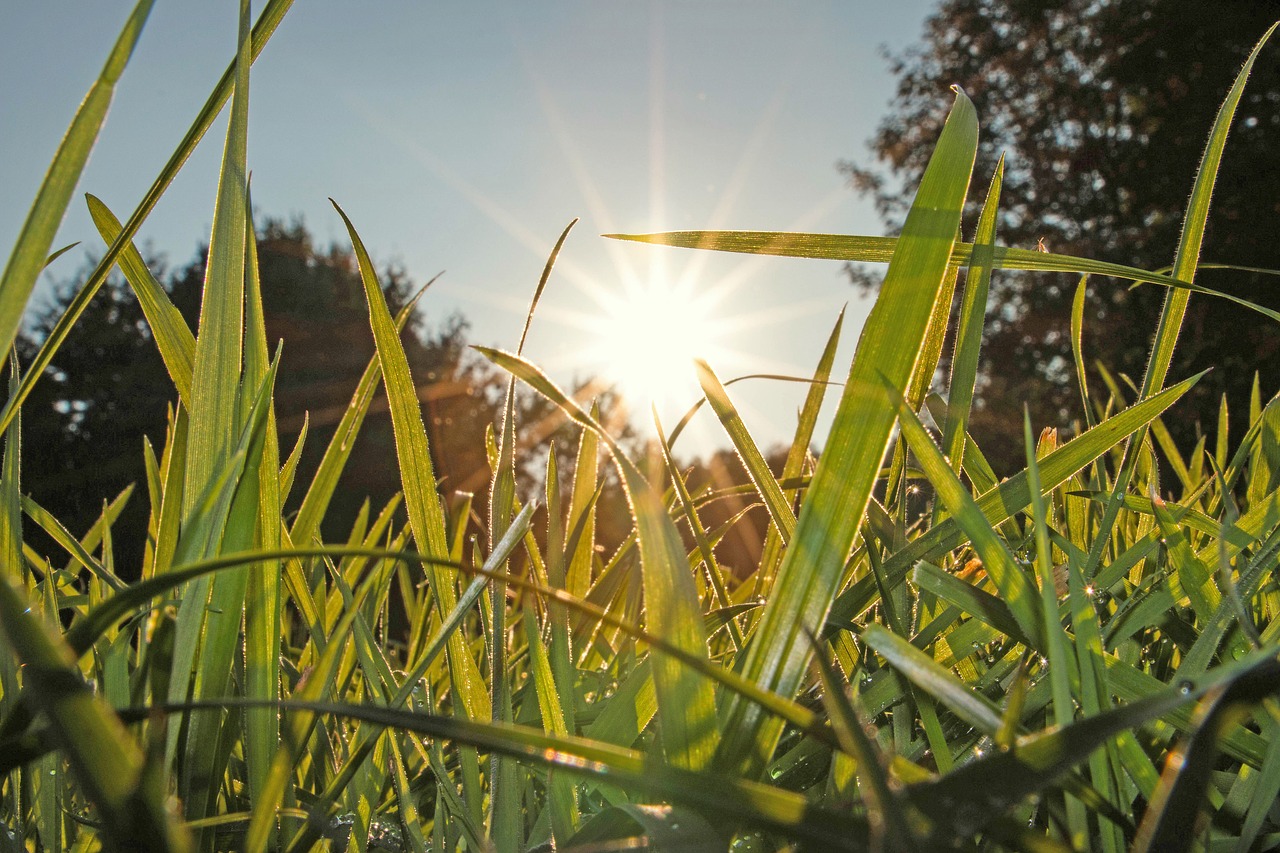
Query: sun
[(649, 336)]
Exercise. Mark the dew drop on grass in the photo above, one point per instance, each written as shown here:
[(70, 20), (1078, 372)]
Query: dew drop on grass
[(1185, 688)]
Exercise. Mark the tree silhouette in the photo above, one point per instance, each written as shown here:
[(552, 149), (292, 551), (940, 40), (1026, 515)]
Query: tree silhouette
[(106, 388), (1103, 109)]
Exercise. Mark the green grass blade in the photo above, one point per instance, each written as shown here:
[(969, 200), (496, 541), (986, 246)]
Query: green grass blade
[(270, 18), (890, 347), (172, 336), (864, 249), (263, 623), (752, 459), (1175, 305), (921, 670), (216, 365), (1060, 657), (562, 800), (426, 515), (41, 225), (973, 313)]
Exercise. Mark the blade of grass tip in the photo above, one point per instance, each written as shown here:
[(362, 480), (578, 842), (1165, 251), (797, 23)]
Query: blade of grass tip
[(1009, 497), (216, 415), (891, 344), (325, 481), (216, 365), (1060, 660), (263, 618), (1175, 305), (889, 827), (752, 459), (686, 702), (172, 336), (1077, 348), (41, 225), (270, 18), (973, 312), (422, 501), (797, 453)]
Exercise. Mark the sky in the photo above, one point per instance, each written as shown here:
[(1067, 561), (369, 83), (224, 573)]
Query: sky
[(464, 136)]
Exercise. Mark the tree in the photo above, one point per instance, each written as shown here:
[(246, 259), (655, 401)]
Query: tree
[(106, 388), (1103, 107)]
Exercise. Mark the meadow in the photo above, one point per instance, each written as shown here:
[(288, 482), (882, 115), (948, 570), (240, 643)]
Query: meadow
[(1082, 655)]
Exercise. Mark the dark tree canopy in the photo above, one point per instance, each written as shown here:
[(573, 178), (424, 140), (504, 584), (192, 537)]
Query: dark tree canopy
[(1103, 108), (107, 387)]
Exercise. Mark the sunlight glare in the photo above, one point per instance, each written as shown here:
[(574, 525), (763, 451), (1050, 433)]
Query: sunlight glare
[(649, 338)]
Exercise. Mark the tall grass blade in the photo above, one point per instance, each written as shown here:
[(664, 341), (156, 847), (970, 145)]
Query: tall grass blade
[(752, 459), (890, 346), (263, 622), (973, 313), (426, 515), (172, 336), (270, 18), (1175, 306), (41, 225)]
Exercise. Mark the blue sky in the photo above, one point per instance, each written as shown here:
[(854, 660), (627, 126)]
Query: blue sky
[(463, 137)]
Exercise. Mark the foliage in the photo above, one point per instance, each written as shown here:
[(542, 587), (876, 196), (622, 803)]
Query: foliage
[(1100, 108), (920, 656)]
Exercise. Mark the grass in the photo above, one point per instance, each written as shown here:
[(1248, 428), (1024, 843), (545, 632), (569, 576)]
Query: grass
[(1079, 656)]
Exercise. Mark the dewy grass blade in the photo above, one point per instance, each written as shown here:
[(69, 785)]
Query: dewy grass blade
[(172, 336), (973, 313), (263, 617), (215, 370), (426, 515), (752, 459), (216, 419), (270, 18), (686, 703), (41, 226), (891, 342)]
